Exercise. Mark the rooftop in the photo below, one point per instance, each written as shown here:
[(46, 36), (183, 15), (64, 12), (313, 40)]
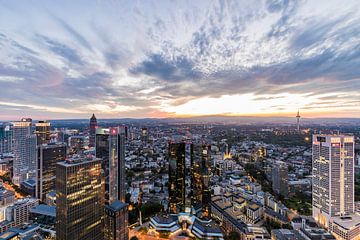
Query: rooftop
[(117, 205), (207, 226), (44, 210), (347, 222)]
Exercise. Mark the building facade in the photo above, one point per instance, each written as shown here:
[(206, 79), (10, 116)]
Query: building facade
[(116, 221), (333, 176), (42, 131), (110, 147), (48, 156), (24, 164), (280, 178), (79, 199), (200, 177), (6, 138), (177, 174), (93, 126)]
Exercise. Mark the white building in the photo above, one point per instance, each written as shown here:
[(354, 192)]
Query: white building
[(24, 164), (333, 185)]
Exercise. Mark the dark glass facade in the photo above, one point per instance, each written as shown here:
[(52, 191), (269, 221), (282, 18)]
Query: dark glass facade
[(115, 216), (48, 156), (200, 177), (177, 174)]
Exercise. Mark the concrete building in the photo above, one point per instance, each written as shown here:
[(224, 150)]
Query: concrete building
[(280, 178), (24, 164)]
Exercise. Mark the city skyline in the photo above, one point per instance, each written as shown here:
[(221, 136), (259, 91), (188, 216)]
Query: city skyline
[(161, 59)]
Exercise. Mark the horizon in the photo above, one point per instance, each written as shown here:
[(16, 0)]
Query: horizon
[(180, 59), (186, 118)]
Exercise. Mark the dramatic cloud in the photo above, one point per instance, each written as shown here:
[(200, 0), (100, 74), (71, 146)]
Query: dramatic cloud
[(169, 58)]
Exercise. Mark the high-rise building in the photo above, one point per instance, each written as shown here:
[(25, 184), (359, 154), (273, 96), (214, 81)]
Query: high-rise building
[(189, 163), (116, 221), (280, 178), (333, 177), (144, 134), (177, 175), (110, 147), (6, 138), (79, 199), (24, 164), (48, 156), (200, 177), (93, 126), (42, 131)]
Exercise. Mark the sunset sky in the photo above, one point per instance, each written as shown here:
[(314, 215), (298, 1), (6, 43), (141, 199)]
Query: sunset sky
[(68, 59)]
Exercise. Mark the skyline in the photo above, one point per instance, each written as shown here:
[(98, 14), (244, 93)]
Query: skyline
[(159, 59)]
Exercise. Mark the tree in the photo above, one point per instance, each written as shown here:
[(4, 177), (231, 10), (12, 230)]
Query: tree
[(233, 236)]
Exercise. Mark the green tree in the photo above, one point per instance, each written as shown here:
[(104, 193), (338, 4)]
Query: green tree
[(233, 236)]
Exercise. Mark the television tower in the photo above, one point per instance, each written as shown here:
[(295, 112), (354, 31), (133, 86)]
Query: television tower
[(298, 120)]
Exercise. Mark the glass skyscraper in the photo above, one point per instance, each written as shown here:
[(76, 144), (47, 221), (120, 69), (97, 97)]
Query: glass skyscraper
[(42, 131), (48, 156), (79, 199), (110, 147)]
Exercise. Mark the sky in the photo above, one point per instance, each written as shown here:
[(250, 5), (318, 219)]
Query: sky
[(119, 59)]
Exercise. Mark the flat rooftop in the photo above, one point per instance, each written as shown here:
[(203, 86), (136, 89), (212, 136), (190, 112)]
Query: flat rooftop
[(348, 222)]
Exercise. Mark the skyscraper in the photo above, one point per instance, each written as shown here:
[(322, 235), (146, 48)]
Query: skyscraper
[(280, 178), (116, 221), (144, 134), (110, 147), (79, 199), (200, 177), (48, 156), (24, 164), (42, 131), (177, 174), (93, 126), (333, 177), (6, 138)]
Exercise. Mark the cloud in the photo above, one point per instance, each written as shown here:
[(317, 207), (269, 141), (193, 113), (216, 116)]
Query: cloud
[(145, 58)]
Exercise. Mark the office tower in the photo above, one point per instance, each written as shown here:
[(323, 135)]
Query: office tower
[(298, 121), (144, 134), (200, 177), (333, 177), (79, 199), (177, 175), (110, 147), (6, 138), (76, 144), (93, 126), (48, 156), (42, 131), (24, 164), (116, 221), (280, 178)]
